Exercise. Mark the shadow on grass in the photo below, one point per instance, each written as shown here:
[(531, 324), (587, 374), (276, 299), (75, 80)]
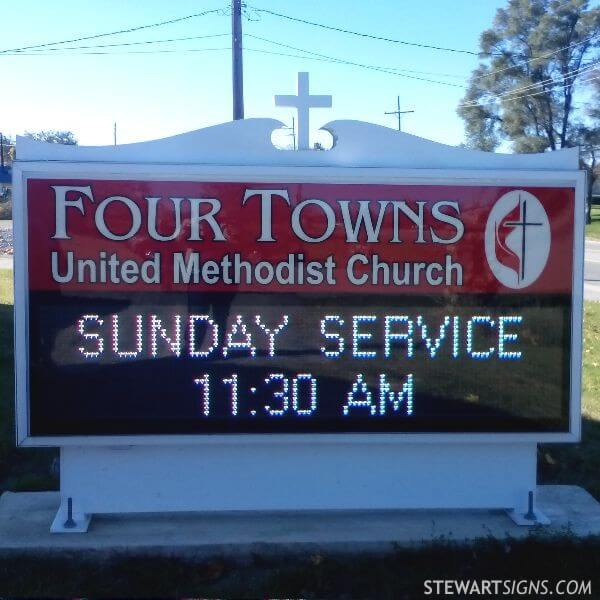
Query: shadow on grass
[(573, 464), (21, 469)]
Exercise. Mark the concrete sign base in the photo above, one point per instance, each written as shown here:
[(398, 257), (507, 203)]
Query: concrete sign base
[(236, 535)]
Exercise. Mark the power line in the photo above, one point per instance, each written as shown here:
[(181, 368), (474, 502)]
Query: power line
[(321, 57), (551, 83), (534, 58), (483, 102), (355, 64), (120, 44), (385, 70), (360, 34), (495, 71), (313, 56), (199, 37), (324, 58), (166, 51), (41, 51), (391, 70), (569, 75), (149, 52), (129, 30), (370, 36)]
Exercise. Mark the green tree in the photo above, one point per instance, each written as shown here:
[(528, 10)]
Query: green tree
[(7, 150), (53, 137), (590, 160), (535, 58)]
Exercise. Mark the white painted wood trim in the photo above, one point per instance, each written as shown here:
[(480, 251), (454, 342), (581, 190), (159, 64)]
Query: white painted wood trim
[(248, 142)]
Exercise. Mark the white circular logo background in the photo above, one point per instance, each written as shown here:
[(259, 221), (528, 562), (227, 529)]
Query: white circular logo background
[(517, 239)]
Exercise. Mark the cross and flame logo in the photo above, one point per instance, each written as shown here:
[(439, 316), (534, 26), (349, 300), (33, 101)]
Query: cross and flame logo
[(517, 239)]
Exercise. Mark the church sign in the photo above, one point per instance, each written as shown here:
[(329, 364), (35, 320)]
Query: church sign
[(200, 306), (206, 322)]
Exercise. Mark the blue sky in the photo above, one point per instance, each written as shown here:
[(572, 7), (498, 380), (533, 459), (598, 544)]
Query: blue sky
[(157, 95)]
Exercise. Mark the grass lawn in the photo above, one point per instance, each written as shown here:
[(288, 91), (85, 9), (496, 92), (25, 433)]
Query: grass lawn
[(593, 229), (579, 464), (20, 469), (398, 575)]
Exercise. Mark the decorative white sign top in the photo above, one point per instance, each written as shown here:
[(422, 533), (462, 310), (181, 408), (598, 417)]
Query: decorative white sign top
[(303, 102), (247, 142)]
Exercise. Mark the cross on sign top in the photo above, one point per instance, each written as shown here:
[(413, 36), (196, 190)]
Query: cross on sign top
[(303, 102)]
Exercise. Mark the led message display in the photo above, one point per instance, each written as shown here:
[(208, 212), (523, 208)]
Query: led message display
[(170, 307)]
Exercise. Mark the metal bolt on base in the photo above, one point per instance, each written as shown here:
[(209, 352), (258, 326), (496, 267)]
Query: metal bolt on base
[(70, 522), (530, 514)]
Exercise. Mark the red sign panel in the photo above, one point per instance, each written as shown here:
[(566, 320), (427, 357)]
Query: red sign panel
[(177, 236)]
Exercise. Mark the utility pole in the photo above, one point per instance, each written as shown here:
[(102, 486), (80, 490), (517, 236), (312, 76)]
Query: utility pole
[(115, 133), (294, 131), (399, 113), (236, 59)]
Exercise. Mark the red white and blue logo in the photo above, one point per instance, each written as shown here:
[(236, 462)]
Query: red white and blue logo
[(517, 239)]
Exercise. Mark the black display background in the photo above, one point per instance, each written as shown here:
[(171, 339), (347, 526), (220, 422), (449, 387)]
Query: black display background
[(72, 396)]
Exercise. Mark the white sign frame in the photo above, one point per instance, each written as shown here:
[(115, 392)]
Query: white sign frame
[(25, 170)]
